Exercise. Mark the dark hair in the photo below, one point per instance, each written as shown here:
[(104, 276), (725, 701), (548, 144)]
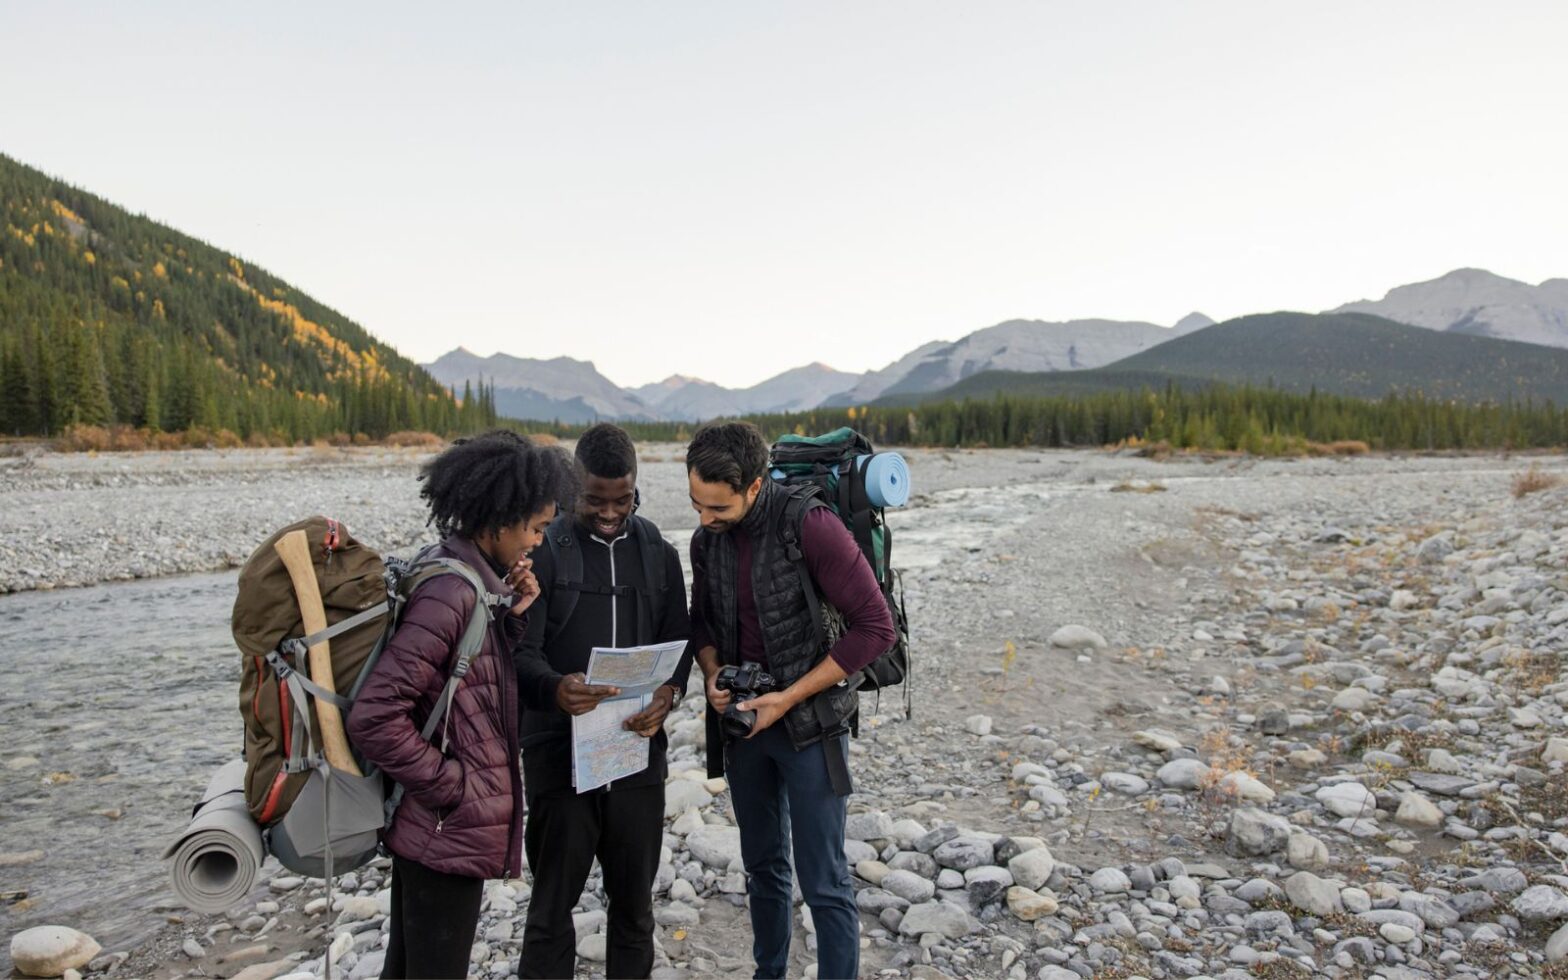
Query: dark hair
[(606, 450), (730, 452), (492, 481)]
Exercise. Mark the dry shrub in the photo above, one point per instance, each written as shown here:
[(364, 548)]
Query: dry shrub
[(543, 439), (1347, 447), (1342, 447), (1128, 487), (226, 439), (1533, 480), (84, 439), (410, 439)]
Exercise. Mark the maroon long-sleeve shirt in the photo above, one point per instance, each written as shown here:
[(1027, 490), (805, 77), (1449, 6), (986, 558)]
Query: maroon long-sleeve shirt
[(841, 573)]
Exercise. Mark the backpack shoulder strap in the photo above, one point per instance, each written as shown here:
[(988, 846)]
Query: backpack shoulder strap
[(650, 547), (790, 527), (566, 573)]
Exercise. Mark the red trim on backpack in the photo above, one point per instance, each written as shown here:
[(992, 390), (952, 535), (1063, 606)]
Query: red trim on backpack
[(272, 798), (283, 708)]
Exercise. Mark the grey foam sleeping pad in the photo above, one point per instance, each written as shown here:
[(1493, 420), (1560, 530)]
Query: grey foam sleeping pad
[(217, 857)]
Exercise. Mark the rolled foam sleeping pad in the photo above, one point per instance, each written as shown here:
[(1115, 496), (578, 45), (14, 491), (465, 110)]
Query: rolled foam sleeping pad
[(887, 479), (217, 858)]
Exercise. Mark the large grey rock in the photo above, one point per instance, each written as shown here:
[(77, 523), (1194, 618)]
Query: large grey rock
[(875, 825), (1557, 946), (1183, 773), (943, 918), (1254, 832), (681, 794), (909, 886), (963, 853), (48, 951), (1436, 548), (1306, 852), (1032, 869), (1415, 810), (1110, 881), (715, 846), (1541, 903), (1312, 894), (1348, 800), (1125, 783)]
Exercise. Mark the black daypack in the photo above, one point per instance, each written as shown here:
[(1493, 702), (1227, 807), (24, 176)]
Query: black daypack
[(567, 585), (837, 463)]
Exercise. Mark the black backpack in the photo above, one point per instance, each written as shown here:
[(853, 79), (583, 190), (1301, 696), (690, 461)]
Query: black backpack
[(837, 463), (566, 583)]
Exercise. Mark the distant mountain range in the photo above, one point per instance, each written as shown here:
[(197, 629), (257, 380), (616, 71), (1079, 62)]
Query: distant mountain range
[(1337, 352), (1478, 302), (1351, 354)]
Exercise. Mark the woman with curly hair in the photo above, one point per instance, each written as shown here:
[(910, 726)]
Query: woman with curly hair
[(491, 498)]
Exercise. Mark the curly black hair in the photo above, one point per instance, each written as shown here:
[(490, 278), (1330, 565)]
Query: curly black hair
[(493, 481), (729, 452), (606, 450)]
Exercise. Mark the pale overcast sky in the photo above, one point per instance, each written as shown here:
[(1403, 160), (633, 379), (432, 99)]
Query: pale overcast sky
[(729, 189)]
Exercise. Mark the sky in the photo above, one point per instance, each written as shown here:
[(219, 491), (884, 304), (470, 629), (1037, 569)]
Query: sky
[(729, 189)]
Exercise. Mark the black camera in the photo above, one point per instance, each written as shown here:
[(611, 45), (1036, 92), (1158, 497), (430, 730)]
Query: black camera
[(744, 683)]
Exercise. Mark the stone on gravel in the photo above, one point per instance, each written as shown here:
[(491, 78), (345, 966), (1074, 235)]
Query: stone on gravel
[(1306, 852), (48, 951), (978, 724), (1183, 773), (1415, 810), (909, 886), (679, 794), (1541, 903), (963, 853), (874, 825), (1312, 894), (1556, 750), (1125, 783), (716, 847), (944, 918), (1032, 869), (1348, 800), (1245, 787), (1029, 905), (1257, 833), (1110, 881), (1557, 946), (1075, 637)]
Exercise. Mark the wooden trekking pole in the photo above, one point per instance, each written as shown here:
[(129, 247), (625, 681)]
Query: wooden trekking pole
[(294, 549)]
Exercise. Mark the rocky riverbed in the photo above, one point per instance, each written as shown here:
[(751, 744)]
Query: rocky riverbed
[(1231, 718)]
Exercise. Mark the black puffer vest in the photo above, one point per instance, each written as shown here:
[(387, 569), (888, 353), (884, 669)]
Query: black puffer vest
[(793, 642)]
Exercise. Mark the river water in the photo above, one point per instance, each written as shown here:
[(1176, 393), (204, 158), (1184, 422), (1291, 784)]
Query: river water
[(116, 703)]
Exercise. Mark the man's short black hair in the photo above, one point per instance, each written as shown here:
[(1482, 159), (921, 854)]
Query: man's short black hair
[(606, 450), (732, 453), (493, 481)]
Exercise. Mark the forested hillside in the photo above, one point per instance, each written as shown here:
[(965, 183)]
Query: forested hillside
[(110, 318)]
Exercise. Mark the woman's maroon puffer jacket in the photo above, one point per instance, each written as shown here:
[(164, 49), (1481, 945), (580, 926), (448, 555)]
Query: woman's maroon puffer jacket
[(462, 812)]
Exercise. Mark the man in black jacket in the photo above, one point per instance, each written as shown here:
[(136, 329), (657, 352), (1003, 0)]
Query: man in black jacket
[(624, 599)]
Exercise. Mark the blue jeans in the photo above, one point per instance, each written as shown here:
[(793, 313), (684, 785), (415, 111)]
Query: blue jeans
[(783, 797)]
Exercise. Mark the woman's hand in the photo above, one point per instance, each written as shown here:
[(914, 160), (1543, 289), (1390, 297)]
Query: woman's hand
[(521, 579)]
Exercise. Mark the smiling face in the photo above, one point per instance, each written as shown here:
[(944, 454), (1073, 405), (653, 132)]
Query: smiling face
[(718, 506), (605, 504), (509, 544)]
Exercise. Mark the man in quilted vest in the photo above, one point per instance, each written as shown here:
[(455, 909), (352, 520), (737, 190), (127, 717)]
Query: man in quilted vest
[(789, 776)]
